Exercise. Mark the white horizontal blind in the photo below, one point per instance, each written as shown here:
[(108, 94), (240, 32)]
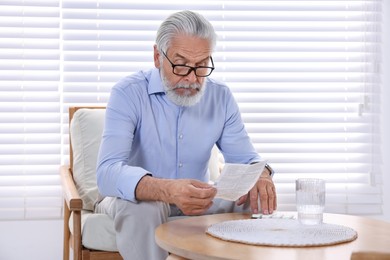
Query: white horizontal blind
[(29, 110), (305, 75)]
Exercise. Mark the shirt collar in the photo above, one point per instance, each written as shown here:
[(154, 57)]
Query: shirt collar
[(155, 84)]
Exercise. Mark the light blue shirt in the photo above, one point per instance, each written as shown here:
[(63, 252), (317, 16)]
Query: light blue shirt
[(145, 133)]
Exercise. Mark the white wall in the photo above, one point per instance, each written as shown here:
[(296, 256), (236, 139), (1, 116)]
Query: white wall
[(37, 239)]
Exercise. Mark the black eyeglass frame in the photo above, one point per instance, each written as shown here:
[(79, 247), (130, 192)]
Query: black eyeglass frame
[(190, 68)]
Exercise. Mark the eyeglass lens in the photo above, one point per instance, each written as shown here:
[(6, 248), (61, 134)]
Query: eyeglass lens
[(185, 70)]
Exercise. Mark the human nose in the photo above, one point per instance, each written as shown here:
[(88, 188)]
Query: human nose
[(191, 77)]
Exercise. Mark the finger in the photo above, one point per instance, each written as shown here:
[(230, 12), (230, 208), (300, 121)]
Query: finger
[(274, 197), (242, 200), (196, 209), (268, 195), (253, 193), (271, 198), (196, 203), (200, 193), (264, 199), (202, 190), (200, 184)]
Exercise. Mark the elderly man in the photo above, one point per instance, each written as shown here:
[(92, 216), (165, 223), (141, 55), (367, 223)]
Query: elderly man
[(160, 127)]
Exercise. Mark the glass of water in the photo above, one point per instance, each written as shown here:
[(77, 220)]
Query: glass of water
[(310, 199)]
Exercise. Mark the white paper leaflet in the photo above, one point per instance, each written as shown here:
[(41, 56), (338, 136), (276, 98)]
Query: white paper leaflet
[(237, 179)]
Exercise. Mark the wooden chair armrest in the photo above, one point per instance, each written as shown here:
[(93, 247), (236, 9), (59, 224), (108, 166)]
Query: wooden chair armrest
[(71, 196)]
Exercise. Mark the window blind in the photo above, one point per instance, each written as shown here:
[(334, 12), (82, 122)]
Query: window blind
[(304, 73), (30, 137)]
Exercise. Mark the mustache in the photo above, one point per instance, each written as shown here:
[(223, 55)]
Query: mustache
[(187, 86)]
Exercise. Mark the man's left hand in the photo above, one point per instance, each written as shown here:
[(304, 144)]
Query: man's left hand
[(264, 190)]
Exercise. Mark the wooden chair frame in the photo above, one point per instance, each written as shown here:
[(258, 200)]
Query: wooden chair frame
[(74, 204), (370, 256)]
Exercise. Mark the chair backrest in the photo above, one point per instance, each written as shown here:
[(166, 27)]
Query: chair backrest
[(85, 132)]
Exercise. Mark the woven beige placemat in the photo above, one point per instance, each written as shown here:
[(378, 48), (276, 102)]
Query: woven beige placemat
[(281, 232)]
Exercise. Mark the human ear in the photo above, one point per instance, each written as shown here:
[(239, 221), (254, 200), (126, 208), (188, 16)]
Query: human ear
[(156, 57)]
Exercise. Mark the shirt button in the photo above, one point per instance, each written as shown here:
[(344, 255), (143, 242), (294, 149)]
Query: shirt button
[(181, 136), (180, 165)]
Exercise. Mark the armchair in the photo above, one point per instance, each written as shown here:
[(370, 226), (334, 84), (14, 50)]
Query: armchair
[(90, 235)]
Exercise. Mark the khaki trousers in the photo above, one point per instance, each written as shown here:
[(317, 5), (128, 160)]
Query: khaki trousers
[(135, 223)]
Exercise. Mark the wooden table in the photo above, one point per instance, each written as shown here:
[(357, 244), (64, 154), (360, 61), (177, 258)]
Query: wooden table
[(187, 238)]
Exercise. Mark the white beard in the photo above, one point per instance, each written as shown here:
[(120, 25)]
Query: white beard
[(182, 100)]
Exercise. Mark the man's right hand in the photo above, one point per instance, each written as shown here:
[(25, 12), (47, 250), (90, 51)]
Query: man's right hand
[(192, 197)]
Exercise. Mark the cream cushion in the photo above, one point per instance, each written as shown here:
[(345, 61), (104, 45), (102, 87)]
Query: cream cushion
[(86, 131), (97, 231)]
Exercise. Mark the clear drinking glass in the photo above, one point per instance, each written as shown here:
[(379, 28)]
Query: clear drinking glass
[(310, 199)]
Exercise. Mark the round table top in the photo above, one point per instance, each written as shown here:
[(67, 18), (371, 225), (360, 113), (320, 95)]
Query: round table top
[(187, 238)]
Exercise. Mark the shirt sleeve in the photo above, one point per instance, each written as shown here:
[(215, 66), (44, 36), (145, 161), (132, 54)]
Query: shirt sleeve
[(235, 143), (115, 177)]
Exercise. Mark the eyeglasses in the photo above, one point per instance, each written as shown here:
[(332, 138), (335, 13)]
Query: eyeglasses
[(184, 70)]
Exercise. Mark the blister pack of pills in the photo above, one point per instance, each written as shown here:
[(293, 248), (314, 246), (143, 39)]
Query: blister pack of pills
[(280, 215)]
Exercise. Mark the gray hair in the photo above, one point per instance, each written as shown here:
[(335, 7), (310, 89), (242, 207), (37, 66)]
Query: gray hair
[(185, 23)]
